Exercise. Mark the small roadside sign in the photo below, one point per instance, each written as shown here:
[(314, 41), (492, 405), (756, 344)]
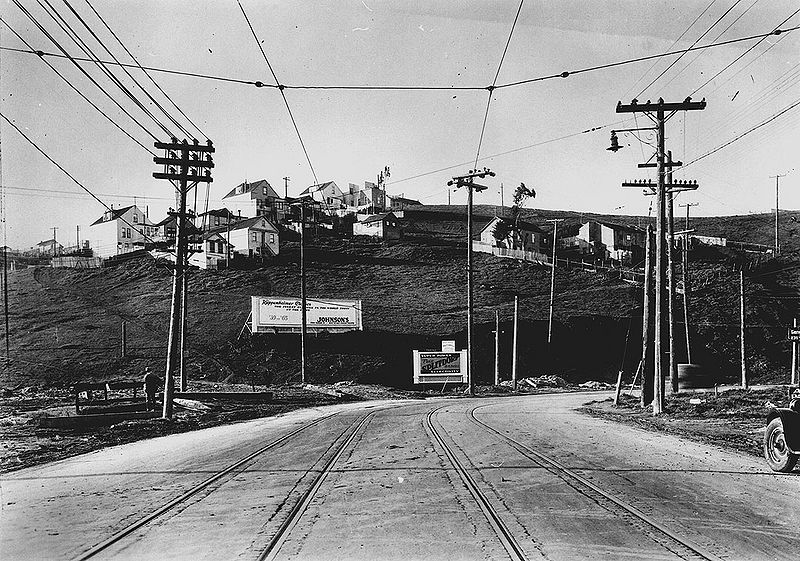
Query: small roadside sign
[(794, 334), (448, 346)]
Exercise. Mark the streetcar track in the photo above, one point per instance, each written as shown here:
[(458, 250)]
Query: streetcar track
[(662, 535), (301, 505), (505, 536), (116, 537)]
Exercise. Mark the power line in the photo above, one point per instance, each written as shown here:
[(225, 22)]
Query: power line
[(737, 137), (494, 82), (175, 105), (674, 62), (675, 42), (737, 59), (260, 84), (76, 90), (72, 34), (281, 88), (125, 70), (79, 67), (68, 174), (567, 74)]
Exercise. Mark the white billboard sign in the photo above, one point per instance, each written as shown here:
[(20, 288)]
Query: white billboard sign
[(434, 367), (274, 314)]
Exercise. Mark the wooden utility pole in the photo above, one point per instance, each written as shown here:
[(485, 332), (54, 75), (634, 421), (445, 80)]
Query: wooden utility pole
[(124, 337), (468, 181), (515, 352), (777, 240), (55, 243), (741, 328), (673, 363), (286, 187), (555, 222), (303, 303), (793, 376), (657, 112), (647, 381), (185, 165), (685, 268), (497, 347), (184, 382)]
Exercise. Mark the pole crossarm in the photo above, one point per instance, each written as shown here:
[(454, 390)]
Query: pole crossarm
[(661, 106), (670, 187), (655, 165)]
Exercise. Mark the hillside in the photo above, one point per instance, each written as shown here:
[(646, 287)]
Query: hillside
[(66, 324)]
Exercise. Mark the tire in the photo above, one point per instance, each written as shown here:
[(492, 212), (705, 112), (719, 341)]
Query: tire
[(775, 450)]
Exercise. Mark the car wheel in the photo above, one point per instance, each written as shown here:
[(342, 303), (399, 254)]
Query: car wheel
[(776, 451)]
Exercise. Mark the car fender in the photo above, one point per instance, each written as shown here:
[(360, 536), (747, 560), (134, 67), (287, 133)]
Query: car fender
[(791, 426)]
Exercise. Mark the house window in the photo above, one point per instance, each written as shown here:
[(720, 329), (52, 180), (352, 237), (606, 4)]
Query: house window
[(216, 221), (265, 191), (129, 232), (255, 236), (135, 218), (272, 239)]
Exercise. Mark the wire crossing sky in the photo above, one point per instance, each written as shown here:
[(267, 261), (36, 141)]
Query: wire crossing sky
[(379, 83)]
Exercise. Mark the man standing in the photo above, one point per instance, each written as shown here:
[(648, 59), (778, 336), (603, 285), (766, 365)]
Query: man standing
[(151, 384)]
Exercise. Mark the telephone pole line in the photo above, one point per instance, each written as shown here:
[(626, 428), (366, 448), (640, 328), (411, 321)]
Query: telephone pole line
[(555, 222), (659, 113), (185, 165), (777, 184), (54, 240), (468, 181), (286, 187), (685, 267)]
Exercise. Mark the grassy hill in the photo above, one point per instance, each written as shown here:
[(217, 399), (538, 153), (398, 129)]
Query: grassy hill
[(66, 324)]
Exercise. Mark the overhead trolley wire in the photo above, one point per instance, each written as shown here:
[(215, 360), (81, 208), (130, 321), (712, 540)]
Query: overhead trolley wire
[(260, 84), (72, 177), (720, 34), (674, 62), (127, 73), (86, 74), (76, 90), (76, 38), (130, 54), (281, 88), (675, 42), (737, 59), (494, 82)]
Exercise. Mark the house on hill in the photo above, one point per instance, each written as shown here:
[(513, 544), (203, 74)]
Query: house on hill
[(504, 233), (120, 231), (214, 252), (331, 196), (250, 237), (48, 248), (607, 240), (384, 226), (399, 202), (214, 219), (257, 198)]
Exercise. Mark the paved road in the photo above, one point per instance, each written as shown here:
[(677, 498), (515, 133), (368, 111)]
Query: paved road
[(505, 478)]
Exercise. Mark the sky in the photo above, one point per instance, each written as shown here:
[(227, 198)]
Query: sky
[(535, 133)]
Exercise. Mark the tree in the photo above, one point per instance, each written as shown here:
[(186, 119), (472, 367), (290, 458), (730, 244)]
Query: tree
[(502, 230), (521, 194)]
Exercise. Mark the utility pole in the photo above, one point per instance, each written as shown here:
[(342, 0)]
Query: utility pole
[(303, 303), (468, 181), (673, 364), (285, 187), (497, 347), (777, 240), (514, 345), (657, 112), (78, 237), (502, 203), (686, 282), (647, 381), (185, 165), (555, 222), (55, 243), (741, 328), (793, 375)]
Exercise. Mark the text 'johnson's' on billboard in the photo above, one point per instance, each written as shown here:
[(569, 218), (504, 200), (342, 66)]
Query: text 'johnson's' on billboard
[(276, 314)]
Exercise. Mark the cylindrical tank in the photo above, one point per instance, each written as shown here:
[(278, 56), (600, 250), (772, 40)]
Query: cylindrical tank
[(691, 376)]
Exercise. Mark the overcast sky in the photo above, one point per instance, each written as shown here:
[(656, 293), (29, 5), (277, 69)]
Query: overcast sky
[(352, 135)]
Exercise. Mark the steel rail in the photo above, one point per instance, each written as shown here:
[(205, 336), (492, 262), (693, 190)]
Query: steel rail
[(566, 473), (299, 508), (510, 544), (94, 550)]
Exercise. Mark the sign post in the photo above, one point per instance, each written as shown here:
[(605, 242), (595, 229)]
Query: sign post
[(794, 337)]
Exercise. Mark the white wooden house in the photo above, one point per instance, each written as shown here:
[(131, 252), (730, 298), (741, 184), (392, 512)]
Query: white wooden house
[(384, 226), (120, 231), (526, 236)]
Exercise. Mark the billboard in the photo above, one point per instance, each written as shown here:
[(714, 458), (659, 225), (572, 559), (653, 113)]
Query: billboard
[(276, 314), (435, 367)]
